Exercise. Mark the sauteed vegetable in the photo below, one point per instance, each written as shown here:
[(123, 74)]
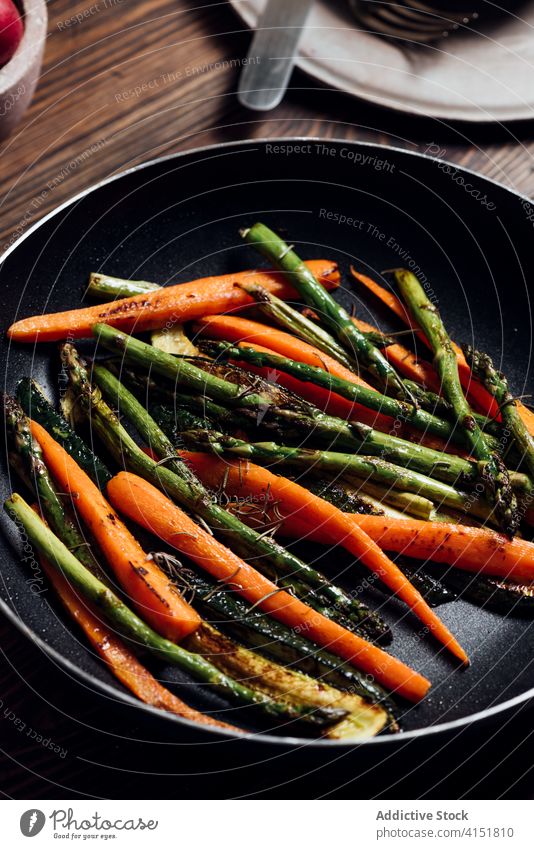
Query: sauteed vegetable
[(197, 434)]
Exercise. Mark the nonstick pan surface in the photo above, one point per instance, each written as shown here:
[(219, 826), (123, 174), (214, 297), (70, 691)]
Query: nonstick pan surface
[(177, 219)]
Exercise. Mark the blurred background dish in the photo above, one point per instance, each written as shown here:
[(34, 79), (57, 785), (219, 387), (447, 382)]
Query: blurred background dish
[(416, 20), (18, 77), (481, 71)]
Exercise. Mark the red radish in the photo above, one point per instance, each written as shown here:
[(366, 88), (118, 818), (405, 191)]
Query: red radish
[(11, 30)]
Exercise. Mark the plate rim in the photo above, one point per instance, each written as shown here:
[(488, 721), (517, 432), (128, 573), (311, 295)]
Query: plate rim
[(118, 694), (328, 78)]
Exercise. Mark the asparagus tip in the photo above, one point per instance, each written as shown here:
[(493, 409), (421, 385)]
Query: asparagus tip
[(255, 291), (496, 479)]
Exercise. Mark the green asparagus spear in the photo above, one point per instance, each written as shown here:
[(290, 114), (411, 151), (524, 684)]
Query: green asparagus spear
[(297, 324), (437, 405), (492, 593), (358, 719), (177, 480), (497, 385), (129, 624), (370, 398), (131, 408), (376, 337), (106, 288), (493, 472), (37, 407), (394, 502), (337, 318), (361, 495), (431, 588), (445, 467), (180, 405)]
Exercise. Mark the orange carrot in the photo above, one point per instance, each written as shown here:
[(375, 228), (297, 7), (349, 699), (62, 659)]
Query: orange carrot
[(475, 391), (233, 328), (473, 549), (151, 310), (294, 500), (405, 361), (390, 300), (121, 661), (147, 506), (154, 596)]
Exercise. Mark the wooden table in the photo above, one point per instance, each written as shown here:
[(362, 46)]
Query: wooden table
[(125, 81)]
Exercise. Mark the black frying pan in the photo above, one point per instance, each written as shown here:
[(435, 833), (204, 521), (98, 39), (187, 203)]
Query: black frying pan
[(177, 219)]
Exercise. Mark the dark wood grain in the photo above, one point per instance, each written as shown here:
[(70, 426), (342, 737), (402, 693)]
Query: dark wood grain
[(130, 81), (136, 79)]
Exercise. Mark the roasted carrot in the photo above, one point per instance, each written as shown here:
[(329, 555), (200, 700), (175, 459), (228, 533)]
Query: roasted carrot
[(476, 393), (121, 661), (147, 506), (177, 304), (388, 299), (473, 549), (233, 328), (243, 478), (154, 596), (405, 361)]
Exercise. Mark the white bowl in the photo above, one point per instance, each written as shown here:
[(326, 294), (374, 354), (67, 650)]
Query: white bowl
[(19, 76)]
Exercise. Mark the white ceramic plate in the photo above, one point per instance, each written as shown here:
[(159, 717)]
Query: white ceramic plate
[(484, 75)]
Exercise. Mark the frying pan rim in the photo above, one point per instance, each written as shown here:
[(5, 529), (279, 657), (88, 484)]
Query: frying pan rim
[(116, 693)]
